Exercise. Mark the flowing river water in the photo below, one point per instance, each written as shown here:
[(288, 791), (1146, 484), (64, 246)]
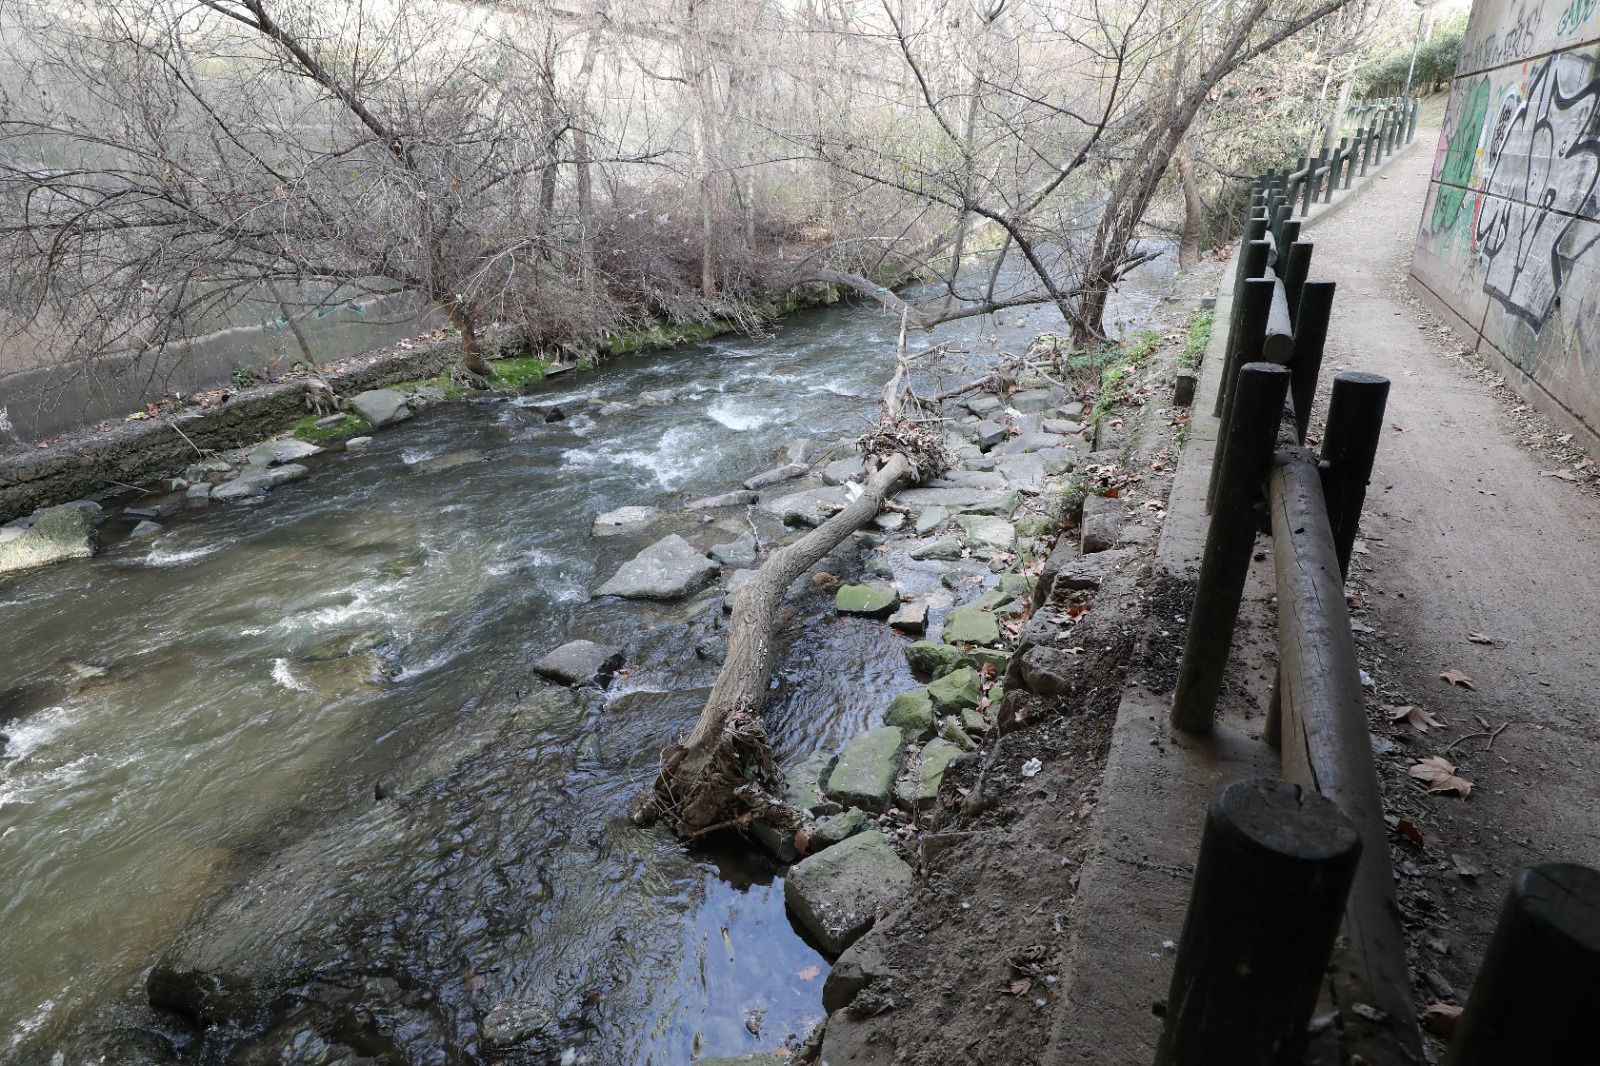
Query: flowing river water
[(174, 719)]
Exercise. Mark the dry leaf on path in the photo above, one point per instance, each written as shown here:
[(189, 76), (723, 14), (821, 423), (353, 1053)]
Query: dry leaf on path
[(1439, 775), (810, 973), (1456, 677), (1409, 831), (1415, 717), (1480, 638), (1564, 475), (1440, 1018)]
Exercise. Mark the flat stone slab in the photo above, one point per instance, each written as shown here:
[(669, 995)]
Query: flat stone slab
[(983, 531), (970, 479), (1025, 473), (803, 783), (581, 662), (930, 519), (944, 548), (971, 625), (669, 569), (811, 507), (274, 452), (990, 433), (736, 498), (931, 659), (864, 775), (775, 476), (623, 521), (966, 501), (983, 404), (1031, 400), (912, 617), (381, 407), (841, 470), (874, 601), (837, 894), (740, 551), (256, 481), (1030, 442)]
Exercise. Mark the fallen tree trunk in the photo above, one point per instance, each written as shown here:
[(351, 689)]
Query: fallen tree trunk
[(722, 774)]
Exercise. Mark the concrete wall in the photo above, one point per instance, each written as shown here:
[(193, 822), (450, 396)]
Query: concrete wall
[(1509, 233)]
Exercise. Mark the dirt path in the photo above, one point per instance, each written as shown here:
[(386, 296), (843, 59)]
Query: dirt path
[(1465, 538)]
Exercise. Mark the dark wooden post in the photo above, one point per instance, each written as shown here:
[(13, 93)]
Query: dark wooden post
[(1349, 447), (1246, 338), (1310, 335), (1366, 152), (1255, 417), (1535, 995), (1275, 867), (1294, 273), (1308, 186), (1254, 264)]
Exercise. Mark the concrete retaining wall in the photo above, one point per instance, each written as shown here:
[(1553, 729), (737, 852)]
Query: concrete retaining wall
[(1509, 233), (132, 452)]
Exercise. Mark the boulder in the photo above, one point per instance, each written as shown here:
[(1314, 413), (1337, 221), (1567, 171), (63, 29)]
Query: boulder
[(623, 521), (838, 893), (864, 775), (841, 470), (740, 551), (581, 662), (874, 601), (971, 625), (955, 691), (912, 712), (921, 789), (787, 472), (943, 548), (1047, 671), (276, 452), (669, 569), (983, 531), (1101, 524), (726, 499), (929, 659), (54, 534), (381, 407)]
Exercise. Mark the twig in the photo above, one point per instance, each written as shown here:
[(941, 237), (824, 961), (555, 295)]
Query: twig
[(186, 439), (1491, 734)]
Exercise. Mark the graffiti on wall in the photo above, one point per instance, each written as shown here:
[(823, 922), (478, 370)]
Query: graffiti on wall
[(1454, 198), (1539, 181)]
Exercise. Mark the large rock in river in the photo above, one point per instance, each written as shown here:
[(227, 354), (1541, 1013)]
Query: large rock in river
[(837, 894), (381, 407), (864, 775), (56, 533), (581, 662), (669, 569)]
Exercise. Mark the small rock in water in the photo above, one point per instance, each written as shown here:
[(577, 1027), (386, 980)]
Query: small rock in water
[(276, 452), (955, 691), (841, 470), (945, 548), (864, 776), (145, 528), (623, 520), (55, 533), (581, 662), (448, 461), (356, 444), (930, 519), (971, 625), (607, 410), (929, 659), (727, 499), (874, 601), (657, 398), (911, 711), (912, 617), (835, 828), (787, 472), (741, 551)]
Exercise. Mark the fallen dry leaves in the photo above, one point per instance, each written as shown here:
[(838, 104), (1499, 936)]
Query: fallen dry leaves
[(1440, 1018), (1439, 774), (1415, 717), (810, 973), (1456, 677)]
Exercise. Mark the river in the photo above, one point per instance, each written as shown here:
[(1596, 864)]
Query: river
[(173, 717)]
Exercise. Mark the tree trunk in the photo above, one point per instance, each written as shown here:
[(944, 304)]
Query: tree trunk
[(703, 782), (471, 358), (1194, 210), (1330, 136)]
